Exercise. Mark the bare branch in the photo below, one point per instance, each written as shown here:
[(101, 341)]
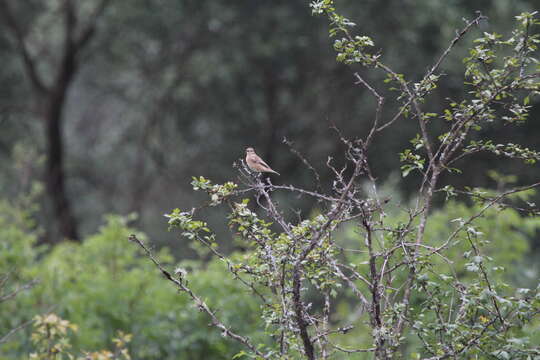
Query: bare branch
[(380, 102), (453, 43), (21, 326), (306, 162), (19, 289)]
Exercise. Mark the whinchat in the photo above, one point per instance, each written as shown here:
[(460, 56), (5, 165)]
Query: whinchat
[(257, 164)]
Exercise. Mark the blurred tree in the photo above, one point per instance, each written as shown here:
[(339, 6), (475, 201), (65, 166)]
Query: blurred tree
[(179, 88), (43, 43), (193, 83)]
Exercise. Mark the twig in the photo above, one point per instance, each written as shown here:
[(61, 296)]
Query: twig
[(380, 102), (305, 161), (200, 303), (5, 338), (14, 293)]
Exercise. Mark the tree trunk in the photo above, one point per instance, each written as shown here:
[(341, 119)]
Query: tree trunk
[(54, 172), (53, 99)]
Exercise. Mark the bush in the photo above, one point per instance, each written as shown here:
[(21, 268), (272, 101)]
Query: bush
[(104, 287), (429, 283)]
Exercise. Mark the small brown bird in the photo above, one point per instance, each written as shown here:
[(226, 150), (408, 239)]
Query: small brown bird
[(257, 164)]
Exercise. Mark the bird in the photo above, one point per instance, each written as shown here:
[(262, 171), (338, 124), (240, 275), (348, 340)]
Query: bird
[(257, 164)]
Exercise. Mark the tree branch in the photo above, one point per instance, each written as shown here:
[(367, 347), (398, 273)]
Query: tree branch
[(5, 338), (200, 303), (29, 64), (88, 32)]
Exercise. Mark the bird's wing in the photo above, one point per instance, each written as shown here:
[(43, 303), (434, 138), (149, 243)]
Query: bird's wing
[(261, 162)]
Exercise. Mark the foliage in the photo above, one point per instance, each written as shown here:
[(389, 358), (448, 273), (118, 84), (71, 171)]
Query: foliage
[(365, 276), (428, 282), (103, 287), (51, 339), (503, 250), (490, 242), (18, 251), (93, 283), (18, 233)]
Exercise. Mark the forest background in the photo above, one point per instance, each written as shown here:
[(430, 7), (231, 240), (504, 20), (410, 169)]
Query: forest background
[(108, 108)]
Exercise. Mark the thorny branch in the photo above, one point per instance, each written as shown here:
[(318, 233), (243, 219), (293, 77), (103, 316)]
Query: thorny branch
[(200, 303)]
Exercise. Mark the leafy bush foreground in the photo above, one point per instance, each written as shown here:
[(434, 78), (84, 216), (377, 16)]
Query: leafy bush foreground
[(102, 286)]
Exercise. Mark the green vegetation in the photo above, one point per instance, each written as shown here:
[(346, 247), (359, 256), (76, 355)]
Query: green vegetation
[(51, 340), (103, 286), (405, 224)]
